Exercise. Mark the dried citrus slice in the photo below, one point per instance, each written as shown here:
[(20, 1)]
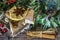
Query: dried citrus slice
[(17, 18), (13, 16)]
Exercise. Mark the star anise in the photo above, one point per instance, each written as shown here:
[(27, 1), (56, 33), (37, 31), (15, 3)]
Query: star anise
[(19, 11)]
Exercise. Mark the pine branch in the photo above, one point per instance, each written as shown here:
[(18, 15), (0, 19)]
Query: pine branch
[(22, 3)]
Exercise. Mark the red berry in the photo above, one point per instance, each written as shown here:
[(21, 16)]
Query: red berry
[(4, 30), (0, 29), (1, 25), (11, 1)]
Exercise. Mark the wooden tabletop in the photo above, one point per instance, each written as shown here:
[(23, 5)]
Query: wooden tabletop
[(22, 36)]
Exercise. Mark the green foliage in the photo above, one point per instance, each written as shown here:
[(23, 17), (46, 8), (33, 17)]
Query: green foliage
[(22, 3), (53, 22), (4, 6)]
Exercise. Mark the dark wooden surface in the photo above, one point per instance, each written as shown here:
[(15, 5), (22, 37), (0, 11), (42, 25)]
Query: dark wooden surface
[(23, 36)]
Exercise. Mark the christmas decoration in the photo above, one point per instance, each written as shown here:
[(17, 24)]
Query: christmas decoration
[(11, 1), (17, 10)]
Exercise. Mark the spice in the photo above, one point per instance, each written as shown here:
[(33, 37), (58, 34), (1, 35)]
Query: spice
[(18, 11)]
